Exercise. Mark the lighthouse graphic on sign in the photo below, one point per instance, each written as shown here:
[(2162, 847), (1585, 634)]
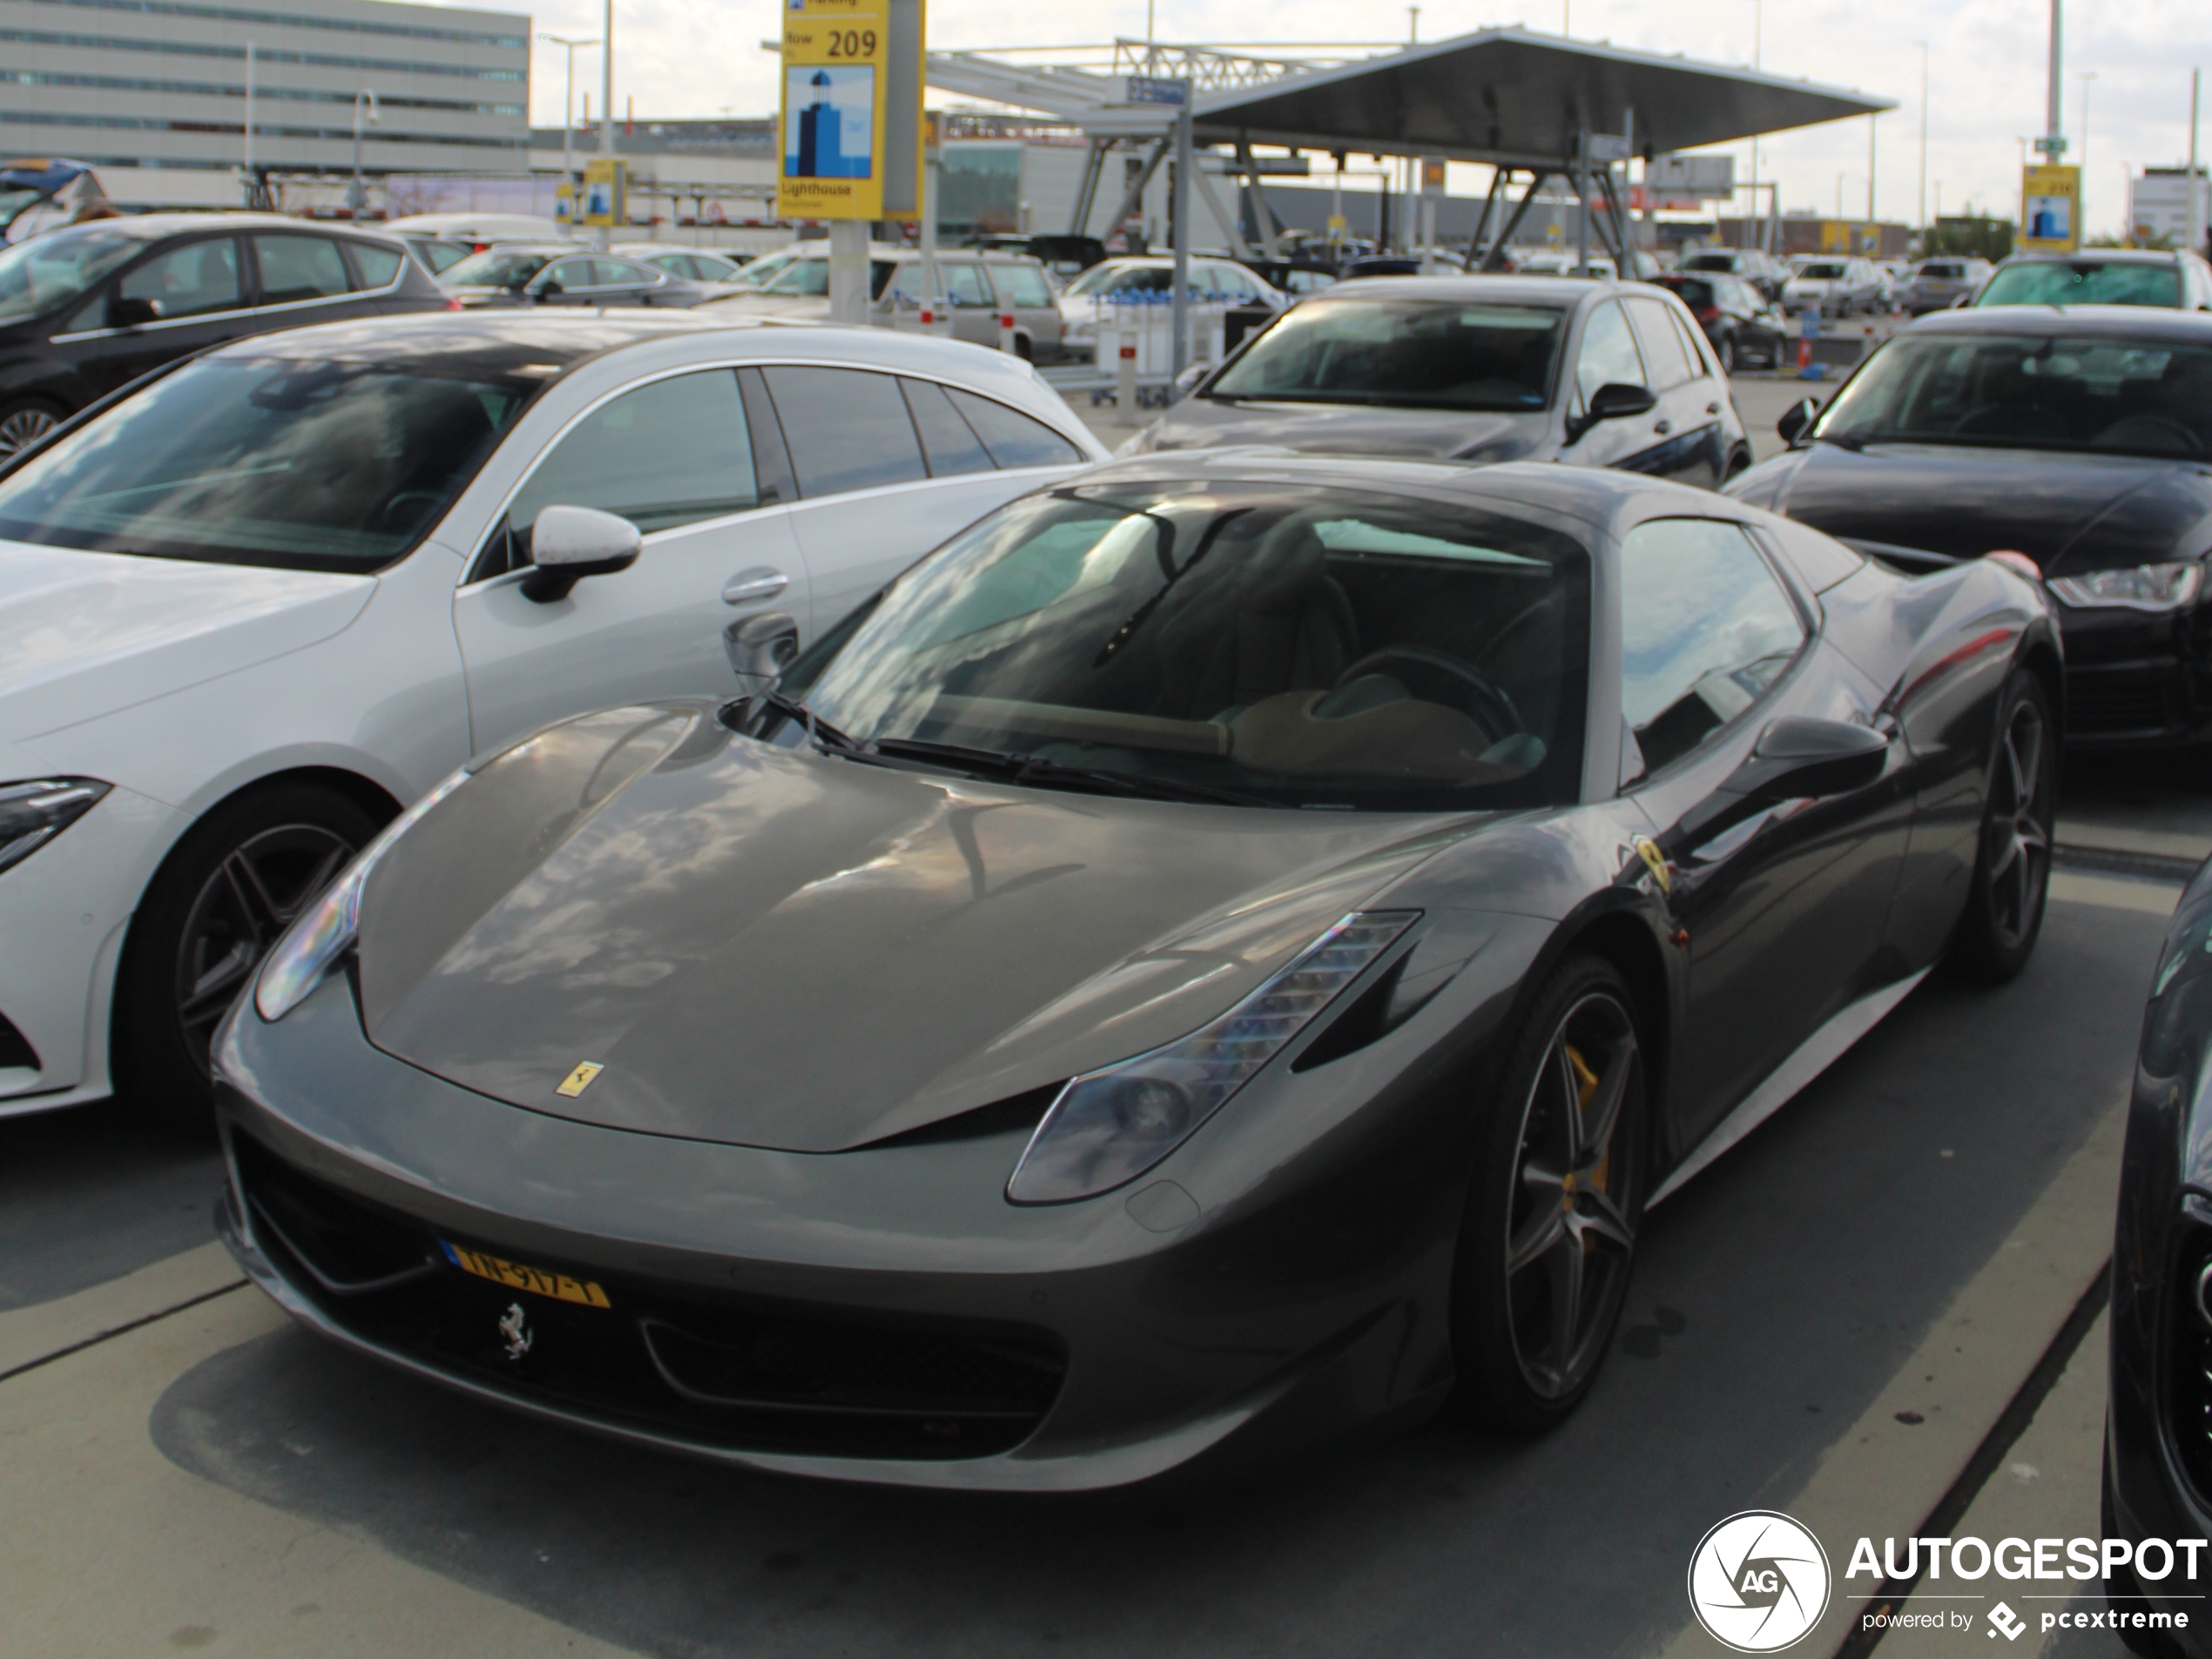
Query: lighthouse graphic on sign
[(834, 136)]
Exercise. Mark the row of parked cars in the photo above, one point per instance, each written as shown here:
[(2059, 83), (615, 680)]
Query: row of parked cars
[(805, 669)]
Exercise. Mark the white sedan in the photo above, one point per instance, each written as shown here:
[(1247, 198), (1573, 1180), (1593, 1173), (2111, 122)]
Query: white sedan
[(1213, 281), (253, 610)]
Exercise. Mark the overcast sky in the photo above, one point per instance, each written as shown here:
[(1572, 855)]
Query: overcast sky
[(1987, 71)]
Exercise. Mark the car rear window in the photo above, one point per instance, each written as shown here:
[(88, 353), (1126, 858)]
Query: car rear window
[(306, 466), (1451, 355), (2058, 282)]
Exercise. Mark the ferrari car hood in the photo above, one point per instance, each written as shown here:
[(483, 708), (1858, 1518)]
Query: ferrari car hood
[(775, 948), (85, 634), (1348, 429), (2067, 512)]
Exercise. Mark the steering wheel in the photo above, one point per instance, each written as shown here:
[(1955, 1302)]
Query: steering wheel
[(2009, 421), (1485, 702), (1515, 623), (401, 511)]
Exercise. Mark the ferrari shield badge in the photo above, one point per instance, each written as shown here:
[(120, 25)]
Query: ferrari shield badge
[(579, 1080), (1647, 849)]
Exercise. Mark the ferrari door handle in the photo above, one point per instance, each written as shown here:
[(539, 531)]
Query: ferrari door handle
[(759, 582), (1663, 427)]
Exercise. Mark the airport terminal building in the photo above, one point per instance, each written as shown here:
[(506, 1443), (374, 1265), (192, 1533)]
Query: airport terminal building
[(153, 93)]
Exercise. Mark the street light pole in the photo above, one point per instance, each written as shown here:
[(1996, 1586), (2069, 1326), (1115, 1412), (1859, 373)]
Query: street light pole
[(568, 121), (2081, 203), (607, 101), (1921, 212), (357, 198), (1757, 19), (2054, 117)]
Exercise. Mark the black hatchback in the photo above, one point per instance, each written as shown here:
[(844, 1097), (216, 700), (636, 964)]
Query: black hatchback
[(88, 308)]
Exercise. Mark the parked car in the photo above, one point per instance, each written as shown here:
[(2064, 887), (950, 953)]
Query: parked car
[(88, 308), (2157, 1480), (1217, 281), (254, 607), (2077, 437), (978, 288), (1293, 279), (437, 254), (1940, 284), (1838, 286), (2102, 276), (1553, 263), (713, 267), (481, 231), (1064, 256), (1481, 368), (1315, 840), (1742, 328), (522, 274), (1762, 270)]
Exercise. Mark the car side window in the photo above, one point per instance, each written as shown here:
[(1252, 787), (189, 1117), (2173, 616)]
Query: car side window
[(188, 281), (1023, 284), (1013, 438), (1686, 337), (569, 273), (1705, 630), (670, 452), (295, 268), (609, 273), (969, 287), (948, 440), (378, 266), (1609, 355), (848, 428), (1663, 349)]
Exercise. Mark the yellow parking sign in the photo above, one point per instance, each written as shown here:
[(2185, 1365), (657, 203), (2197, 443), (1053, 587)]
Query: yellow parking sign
[(837, 61), (2050, 209)]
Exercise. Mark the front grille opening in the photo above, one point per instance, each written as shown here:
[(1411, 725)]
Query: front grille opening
[(746, 1374), (2118, 700), (16, 1052), (2188, 1358)]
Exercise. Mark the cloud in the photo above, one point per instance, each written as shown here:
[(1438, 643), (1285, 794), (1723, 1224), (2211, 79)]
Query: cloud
[(1986, 63)]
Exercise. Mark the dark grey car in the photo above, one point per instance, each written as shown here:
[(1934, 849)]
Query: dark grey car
[(521, 274), (1227, 948), (1476, 369)]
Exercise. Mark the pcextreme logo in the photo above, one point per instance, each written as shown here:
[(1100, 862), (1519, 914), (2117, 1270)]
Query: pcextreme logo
[(1758, 1581)]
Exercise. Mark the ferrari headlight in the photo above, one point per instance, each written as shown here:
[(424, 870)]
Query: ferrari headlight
[(1108, 1127), (327, 930), (2143, 587)]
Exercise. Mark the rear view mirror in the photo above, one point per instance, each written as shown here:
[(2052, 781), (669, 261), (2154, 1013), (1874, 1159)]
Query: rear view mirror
[(1614, 400), (1187, 381), (568, 544), (1795, 419), (761, 647), (1797, 757), (129, 311)]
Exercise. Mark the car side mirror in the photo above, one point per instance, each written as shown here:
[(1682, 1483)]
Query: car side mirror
[(760, 647), (1795, 419), (1187, 381), (568, 544), (1614, 400), (546, 291), (129, 311), (1796, 757)]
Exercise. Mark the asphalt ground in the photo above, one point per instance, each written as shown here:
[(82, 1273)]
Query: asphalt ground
[(187, 1471)]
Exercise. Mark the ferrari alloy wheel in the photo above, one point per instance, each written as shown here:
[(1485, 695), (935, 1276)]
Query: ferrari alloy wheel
[(222, 899), (1549, 1230), (2013, 864), (23, 424)]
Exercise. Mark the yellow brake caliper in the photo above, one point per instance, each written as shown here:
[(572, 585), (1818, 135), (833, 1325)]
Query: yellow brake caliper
[(1586, 1086)]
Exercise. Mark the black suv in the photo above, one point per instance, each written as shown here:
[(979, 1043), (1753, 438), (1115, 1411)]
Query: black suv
[(90, 307)]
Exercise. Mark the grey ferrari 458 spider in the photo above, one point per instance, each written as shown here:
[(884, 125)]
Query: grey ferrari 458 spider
[(1228, 948)]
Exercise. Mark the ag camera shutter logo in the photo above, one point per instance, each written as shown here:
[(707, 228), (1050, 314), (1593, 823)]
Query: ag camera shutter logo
[(1758, 1581)]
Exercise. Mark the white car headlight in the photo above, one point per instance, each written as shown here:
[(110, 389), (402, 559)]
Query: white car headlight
[(34, 812), (2142, 586), (327, 930), (1108, 1127)]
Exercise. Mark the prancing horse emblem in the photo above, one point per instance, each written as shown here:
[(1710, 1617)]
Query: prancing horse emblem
[(519, 1337)]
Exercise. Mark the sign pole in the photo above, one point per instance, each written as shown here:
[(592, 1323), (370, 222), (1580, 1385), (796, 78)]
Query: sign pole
[(1180, 353)]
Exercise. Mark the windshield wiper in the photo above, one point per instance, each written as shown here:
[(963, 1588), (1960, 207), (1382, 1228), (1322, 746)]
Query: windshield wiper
[(1016, 768), (820, 733)]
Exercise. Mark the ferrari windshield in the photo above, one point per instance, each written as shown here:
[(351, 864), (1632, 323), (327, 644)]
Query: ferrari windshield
[(2087, 282), (307, 465), (52, 270), (2142, 396), (1288, 645), (1424, 353)]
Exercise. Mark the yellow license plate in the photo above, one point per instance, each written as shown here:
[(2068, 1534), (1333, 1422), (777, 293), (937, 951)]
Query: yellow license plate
[(515, 1275)]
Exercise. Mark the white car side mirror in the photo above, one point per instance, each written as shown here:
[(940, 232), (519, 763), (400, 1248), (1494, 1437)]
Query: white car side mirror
[(567, 544)]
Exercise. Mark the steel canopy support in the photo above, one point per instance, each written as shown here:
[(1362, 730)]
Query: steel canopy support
[(1252, 193), (1185, 164), (1133, 198), (1477, 238), (1087, 191), (1494, 256), (1229, 222)]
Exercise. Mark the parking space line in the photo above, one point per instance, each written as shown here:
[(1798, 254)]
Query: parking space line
[(2114, 892), (1891, 1468), (34, 1336)]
